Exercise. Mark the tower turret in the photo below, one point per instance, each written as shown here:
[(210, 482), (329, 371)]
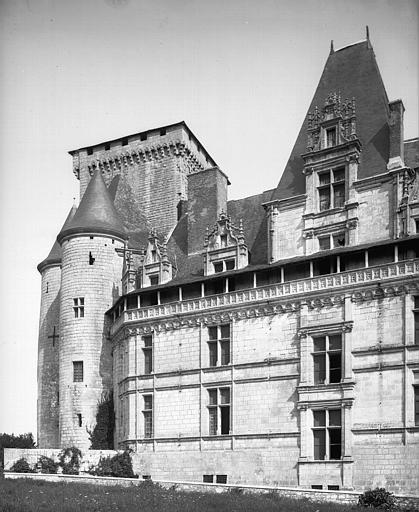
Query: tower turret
[(90, 280), (48, 346)]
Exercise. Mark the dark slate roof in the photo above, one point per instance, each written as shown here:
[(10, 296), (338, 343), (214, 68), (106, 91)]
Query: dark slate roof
[(353, 72), (252, 213), (54, 256), (95, 214), (411, 153)]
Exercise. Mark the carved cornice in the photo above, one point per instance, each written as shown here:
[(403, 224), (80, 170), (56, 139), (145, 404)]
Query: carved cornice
[(383, 291), (303, 332)]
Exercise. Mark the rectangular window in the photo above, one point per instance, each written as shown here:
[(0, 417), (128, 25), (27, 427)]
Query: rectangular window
[(78, 307), (416, 393), (162, 132), (324, 243), (154, 280), (107, 147), (221, 479), (230, 264), (148, 354), (219, 344), (219, 411), (143, 136), (80, 420), (417, 225), (331, 137), (327, 359), (208, 479), (148, 416), (124, 142), (77, 371), (218, 267), (416, 319), (331, 189), (327, 434), (90, 151)]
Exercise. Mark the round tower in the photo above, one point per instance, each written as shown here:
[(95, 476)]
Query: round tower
[(90, 281), (48, 398)]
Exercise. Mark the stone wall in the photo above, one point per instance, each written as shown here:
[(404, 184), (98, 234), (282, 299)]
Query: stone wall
[(48, 347)]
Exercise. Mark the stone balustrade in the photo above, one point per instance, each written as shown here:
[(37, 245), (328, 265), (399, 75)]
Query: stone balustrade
[(376, 274)]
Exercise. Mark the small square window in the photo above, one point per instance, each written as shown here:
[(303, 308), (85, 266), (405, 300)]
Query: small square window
[(230, 264), (221, 479), (208, 479), (324, 243), (332, 487), (339, 240), (154, 280), (143, 136), (162, 132), (124, 142), (90, 151), (218, 267), (107, 147), (316, 486)]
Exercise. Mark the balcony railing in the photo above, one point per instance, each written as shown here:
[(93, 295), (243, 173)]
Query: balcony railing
[(352, 277)]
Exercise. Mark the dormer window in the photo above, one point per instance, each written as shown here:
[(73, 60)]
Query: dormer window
[(218, 267), (331, 137), (154, 280), (331, 189)]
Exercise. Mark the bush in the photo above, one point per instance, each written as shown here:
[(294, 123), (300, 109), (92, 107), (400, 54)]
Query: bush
[(119, 465), (22, 466), (70, 459), (377, 498), (12, 441), (47, 465)]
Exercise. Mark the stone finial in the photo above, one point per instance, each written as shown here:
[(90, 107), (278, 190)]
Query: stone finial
[(332, 49)]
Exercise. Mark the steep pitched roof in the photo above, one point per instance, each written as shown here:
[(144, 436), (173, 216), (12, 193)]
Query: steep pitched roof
[(95, 214), (353, 72), (55, 254)]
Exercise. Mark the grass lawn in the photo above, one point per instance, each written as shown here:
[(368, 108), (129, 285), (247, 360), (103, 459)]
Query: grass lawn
[(36, 496)]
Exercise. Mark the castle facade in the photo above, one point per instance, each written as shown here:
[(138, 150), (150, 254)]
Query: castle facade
[(270, 340)]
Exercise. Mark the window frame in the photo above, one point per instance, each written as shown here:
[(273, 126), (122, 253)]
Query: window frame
[(326, 429), (216, 411), (148, 416), (415, 311), (78, 371), (224, 264), (218, 354), (330, 187), (78, 307), (148, 353), (326, 354)]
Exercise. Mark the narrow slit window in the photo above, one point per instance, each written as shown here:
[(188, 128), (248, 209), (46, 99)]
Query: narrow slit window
[(148, 354), (416, 319), (80, 420), (91, 258)]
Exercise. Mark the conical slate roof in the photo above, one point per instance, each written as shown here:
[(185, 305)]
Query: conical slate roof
[(55, 254), (95, 214), (351, 71)]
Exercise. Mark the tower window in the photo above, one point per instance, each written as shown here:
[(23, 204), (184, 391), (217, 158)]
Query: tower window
[(148, 416), (219, 411), (163, 132), (124, 142), (78, 371), (107, 147), (90, 151), (91, 259), (78, 307), (80, 420), (327, 434), (143, 136), (47, 288), (148, 354)]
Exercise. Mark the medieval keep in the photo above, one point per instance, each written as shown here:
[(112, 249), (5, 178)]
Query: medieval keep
[(268, 340)]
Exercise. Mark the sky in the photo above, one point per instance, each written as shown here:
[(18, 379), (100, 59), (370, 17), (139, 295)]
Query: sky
[(74, 73)]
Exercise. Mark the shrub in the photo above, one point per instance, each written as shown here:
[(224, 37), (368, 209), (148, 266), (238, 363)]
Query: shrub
[(22, 466), (70, 460), (47, 465), (12, 441), (119, 465), (377, 498)]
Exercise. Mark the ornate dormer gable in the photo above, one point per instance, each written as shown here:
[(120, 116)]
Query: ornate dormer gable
[(408, 207), (225, 247), (334, 124), (156, 267)]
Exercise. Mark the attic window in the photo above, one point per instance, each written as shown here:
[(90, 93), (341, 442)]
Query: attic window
[(230, 264), (163, 132), (124, 142), (107, 147), (218, 267), (143, 136), (90, 151), (154, 280), (331, 137)]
